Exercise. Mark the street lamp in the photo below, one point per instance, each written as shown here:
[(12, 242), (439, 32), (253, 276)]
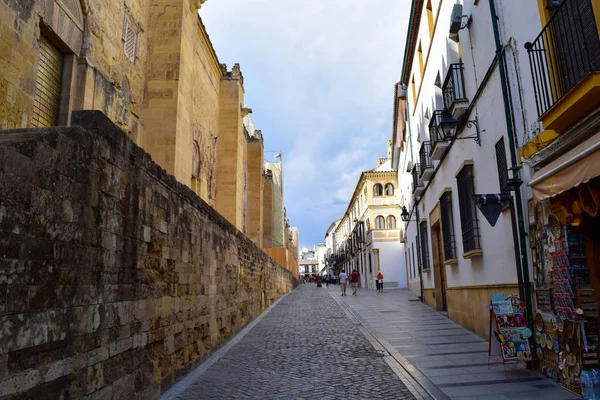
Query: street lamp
[(448, 125), (405, 216)]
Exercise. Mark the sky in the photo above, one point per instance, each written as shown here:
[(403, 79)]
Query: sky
[(319, 77)]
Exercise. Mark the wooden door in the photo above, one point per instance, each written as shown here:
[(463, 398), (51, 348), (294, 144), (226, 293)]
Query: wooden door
[(440, 265)]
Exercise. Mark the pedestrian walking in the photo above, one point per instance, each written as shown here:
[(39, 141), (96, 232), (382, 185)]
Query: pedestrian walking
[(354, 282), (379, 282), (327, 277), (343, 279)]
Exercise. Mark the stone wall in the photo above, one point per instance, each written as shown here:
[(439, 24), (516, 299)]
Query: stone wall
[(115, 279), (96, 73)]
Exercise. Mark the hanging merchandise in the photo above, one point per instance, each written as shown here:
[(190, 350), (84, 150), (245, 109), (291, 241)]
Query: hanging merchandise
[(565, 247)]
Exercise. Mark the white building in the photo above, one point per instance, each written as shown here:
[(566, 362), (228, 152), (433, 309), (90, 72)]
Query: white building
[(321, 255), (455, 258), (330, 247), (367, 237)]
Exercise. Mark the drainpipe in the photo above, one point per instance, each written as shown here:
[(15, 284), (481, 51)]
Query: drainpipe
[(513, 158), (415, 204)]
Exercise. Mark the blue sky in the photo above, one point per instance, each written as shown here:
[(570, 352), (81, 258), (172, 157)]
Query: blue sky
[(319, 78)]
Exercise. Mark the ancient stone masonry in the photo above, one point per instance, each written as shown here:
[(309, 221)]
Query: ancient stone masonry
[(115, 279)]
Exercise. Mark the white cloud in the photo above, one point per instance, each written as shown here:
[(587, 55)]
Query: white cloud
[(319, 77)]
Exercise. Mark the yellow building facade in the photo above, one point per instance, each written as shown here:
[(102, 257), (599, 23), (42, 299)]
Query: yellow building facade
[(367, 239)]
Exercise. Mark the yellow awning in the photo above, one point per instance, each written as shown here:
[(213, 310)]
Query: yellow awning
[(576, 166)]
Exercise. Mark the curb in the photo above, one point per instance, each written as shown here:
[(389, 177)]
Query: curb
[(418, 384)]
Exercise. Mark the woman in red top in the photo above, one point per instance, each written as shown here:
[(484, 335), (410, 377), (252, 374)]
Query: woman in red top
[(354, 281), (380, 282)]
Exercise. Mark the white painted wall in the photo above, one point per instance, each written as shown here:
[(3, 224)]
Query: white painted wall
[(519, 24), (391, 263)]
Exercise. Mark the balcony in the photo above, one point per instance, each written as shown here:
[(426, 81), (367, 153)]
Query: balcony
[(565, 65), (455, 98), (439, 145), (418, 185), (426, 162)]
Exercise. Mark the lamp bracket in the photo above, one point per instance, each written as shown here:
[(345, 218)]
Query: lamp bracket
[(473, 123), (465, 24)]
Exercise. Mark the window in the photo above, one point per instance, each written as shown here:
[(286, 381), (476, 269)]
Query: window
[(48, 84), (502, 165), (421, 64), (414, 270), (196, 161), (430, 18), (468, 213), (391, 222), (414, 92), (379, 222), (368, 225), (448, 237), (424, 245), (389, 189), (131, 33), (377, 190)]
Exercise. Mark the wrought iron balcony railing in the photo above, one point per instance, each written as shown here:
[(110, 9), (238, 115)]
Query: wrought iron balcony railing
[(417, 181), (434, 127), (564, 52), (426, 161), (424, 155), (454, 87)]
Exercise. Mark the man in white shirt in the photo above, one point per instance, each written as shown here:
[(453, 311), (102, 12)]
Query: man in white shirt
[(343, 280)]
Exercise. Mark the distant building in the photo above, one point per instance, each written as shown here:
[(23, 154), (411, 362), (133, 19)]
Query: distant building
[(367, 238), (308, 263)]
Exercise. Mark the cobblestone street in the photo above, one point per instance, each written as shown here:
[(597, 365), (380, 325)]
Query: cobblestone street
[(305, 347)]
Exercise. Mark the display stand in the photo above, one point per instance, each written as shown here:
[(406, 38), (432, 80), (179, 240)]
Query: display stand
[(507, 316)]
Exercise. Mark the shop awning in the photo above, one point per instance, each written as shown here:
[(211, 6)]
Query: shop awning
[(576, 166)]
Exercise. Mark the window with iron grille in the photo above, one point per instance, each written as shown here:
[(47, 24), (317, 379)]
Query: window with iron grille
[(46, 102), (131, 33), (419, 263), (468, 212), (424, 245), (412, 247), (502, 165), (448, 237)]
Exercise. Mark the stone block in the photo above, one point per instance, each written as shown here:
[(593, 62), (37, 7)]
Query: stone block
[(95, 378), (97, 355), (102, 394), (124, 387), (20, 382), (55, 370), (85, 319)]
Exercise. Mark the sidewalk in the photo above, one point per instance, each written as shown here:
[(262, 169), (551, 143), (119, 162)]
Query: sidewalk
[(444, 358)]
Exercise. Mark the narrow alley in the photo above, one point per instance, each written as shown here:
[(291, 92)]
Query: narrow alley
[(306, 346), (314, 344)]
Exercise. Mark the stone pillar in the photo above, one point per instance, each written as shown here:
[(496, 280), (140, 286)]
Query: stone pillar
[(254, 208), (231, 148), (267, 229), (159, 111)]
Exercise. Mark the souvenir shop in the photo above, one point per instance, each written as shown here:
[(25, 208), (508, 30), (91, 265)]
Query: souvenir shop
[(564, 227)]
